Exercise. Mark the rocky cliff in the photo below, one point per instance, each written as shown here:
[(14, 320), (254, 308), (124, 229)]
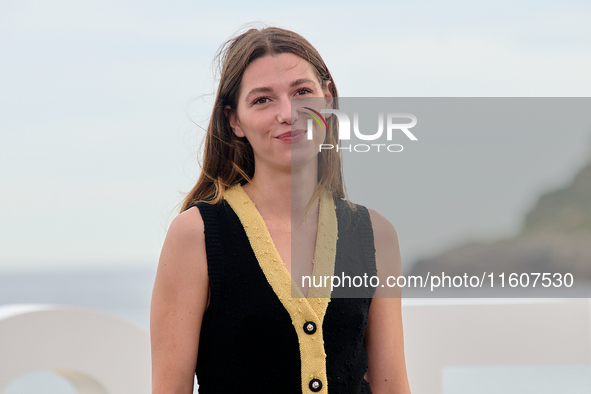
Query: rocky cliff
[(555, 237)]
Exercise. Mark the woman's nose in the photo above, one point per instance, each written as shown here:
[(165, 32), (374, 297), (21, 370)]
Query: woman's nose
[(285, 112)]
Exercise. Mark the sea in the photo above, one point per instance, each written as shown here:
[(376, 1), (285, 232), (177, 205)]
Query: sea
[(127, 293)]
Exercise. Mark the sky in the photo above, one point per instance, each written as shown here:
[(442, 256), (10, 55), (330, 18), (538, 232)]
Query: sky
[(102, 104)]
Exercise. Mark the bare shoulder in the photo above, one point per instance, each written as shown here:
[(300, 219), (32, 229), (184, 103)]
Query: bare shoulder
[(388, 261), (386, 371), (183, 257), (187, 226), (383, 230), (179, 300)]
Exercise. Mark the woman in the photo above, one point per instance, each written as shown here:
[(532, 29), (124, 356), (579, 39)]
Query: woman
[(224, 304)]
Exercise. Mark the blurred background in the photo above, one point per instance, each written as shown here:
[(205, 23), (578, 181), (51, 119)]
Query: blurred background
[(102, 106)]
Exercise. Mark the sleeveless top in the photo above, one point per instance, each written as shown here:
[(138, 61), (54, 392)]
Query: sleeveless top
[(256, 334)]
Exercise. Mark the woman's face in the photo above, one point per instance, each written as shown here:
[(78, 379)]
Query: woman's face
[(264, 113)]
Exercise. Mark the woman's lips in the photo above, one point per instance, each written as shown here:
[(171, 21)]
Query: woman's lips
[(292, 136)]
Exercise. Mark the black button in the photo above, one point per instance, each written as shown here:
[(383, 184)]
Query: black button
[(315, 385), (309, 327)]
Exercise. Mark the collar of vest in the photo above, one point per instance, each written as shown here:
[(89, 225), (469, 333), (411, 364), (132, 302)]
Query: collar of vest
[(303, 311)]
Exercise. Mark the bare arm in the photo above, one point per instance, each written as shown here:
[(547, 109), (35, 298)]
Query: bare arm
[(179, 300), (384, 340)]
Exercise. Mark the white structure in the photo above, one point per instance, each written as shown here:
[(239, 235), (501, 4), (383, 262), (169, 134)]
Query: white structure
[(95, 352), (440, 333), (101, 354)]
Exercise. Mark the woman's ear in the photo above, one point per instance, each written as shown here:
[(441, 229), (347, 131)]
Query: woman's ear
[(328, 98), (233, 119)]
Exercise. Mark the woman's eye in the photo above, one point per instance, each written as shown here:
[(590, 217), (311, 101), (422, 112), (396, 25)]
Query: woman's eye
[(303, 91), (261, 100)]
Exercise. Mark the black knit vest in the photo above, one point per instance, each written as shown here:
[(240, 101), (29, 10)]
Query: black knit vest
[(248, 343)]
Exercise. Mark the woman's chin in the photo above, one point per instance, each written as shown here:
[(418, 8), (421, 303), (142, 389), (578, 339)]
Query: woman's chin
[(303, 162)]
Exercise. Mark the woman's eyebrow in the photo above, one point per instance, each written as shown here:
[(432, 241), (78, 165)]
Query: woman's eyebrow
[(265, 89), (301, 81)]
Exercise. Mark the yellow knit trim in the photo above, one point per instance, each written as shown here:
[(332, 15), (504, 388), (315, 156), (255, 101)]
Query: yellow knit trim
[(300, 309)]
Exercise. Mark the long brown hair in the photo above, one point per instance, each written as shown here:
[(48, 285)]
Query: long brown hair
[(228, 159)]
